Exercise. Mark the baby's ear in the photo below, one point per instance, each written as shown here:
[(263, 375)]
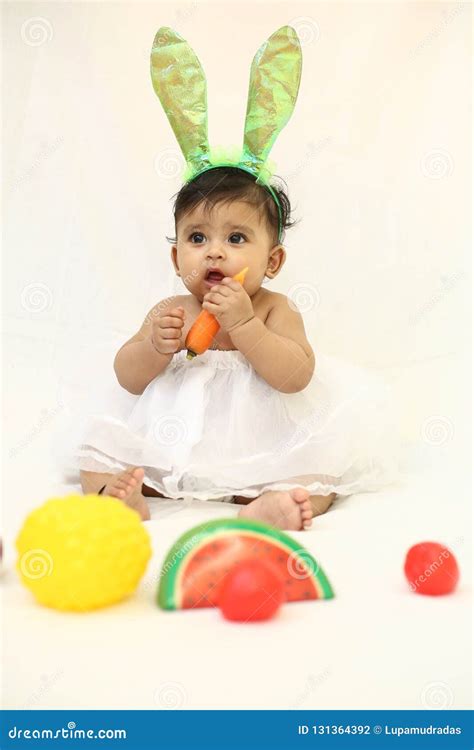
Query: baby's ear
[(273, 88), (276, 262), (180, 84)]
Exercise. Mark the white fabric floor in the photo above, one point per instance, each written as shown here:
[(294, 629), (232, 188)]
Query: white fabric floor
[(376, 645)]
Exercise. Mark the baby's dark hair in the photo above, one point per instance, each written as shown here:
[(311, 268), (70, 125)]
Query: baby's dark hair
[(228, 184)]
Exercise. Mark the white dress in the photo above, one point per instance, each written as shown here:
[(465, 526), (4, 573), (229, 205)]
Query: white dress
[(211, 428)]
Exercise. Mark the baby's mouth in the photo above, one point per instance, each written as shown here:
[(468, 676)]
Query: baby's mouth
[(214, 276)]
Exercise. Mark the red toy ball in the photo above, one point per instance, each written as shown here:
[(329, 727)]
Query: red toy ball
[(253, 590), (431, 569)]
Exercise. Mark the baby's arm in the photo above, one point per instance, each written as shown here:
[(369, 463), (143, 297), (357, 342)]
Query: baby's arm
[(149, 351), (277, 349)]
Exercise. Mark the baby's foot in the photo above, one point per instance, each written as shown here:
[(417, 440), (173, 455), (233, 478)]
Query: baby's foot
[(127, 486), (283, 510)]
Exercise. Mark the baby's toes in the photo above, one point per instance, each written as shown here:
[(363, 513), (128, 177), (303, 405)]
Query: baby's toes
[(300, 495), (125, 482), (121, 485), (307, 517), (135, 474), (115, 491)]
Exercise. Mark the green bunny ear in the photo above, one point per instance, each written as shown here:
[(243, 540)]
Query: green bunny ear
[(180, 84), (274, 82)]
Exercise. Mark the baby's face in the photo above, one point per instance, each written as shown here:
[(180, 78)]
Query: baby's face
[(229, 237)]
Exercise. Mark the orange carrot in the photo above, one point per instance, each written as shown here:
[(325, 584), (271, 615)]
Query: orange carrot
[(205, 327)]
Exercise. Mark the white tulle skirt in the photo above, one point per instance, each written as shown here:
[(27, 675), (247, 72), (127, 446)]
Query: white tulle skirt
[(212, 428)]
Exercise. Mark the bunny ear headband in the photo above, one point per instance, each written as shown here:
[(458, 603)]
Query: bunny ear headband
[(180, 84)]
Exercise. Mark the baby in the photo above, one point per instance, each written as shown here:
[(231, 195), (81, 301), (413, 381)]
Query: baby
[(224, 221)]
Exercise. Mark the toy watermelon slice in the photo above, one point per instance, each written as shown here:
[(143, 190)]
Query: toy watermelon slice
[(198, 562)]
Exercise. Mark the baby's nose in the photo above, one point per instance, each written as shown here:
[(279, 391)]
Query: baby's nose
[(216, 250)]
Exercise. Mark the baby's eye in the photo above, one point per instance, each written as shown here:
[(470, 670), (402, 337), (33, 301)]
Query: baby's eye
[(196, 234), (237, 234)]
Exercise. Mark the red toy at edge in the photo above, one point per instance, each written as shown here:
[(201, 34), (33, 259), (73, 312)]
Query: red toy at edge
[(252, 591), (431, 569)]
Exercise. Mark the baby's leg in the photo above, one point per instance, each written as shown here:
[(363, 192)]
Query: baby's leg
[(291, 510), (125, 485)]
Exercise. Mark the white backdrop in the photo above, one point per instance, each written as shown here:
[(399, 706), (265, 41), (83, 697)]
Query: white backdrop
[(377, 160), (376, 157)]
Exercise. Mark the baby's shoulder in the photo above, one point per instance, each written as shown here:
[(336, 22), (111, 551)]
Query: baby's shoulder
[(275, 298), (272, 300), (168, 303)]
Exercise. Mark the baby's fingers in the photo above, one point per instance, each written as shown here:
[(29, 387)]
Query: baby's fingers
[(170, 333), (169, 321), (176, 312)]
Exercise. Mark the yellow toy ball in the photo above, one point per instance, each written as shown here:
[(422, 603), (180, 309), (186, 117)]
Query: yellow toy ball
[(81, 552)]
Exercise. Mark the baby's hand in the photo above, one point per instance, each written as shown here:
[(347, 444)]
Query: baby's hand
[(229, 303), (167, 330)]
